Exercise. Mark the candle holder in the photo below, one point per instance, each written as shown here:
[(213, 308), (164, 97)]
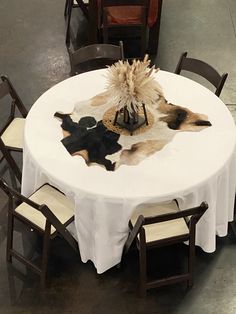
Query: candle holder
[(130, 121), (132, 87)]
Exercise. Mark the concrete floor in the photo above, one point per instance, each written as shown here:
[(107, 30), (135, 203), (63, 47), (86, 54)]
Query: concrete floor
[(33, 55)]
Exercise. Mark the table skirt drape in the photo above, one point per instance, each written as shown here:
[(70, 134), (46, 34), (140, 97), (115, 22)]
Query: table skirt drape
[(108, 218)]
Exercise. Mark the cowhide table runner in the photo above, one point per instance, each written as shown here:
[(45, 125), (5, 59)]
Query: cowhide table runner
[(89, 131)]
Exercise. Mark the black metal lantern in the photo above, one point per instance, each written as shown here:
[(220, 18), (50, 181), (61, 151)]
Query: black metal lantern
[(130, 121)]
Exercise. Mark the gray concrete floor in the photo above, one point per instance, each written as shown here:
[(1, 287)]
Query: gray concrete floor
[(33, 55)]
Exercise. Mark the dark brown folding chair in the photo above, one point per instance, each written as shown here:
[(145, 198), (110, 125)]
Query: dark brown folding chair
[(125, 14), (94, 57), (203, 69), (47, 211), (162, 225), (11, 133)]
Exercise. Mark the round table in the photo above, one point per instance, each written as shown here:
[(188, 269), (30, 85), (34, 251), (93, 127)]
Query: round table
[(192, 167)]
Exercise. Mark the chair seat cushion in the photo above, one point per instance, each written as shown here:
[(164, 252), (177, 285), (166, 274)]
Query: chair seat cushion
[(161, 230), (57, 202), (124, 15), (14, 134)]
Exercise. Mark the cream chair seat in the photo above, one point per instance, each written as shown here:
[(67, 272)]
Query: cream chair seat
[(14, 134), (161, 230), (58, 203)]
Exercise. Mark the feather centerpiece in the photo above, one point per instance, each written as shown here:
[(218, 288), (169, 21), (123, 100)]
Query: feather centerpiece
[(132, 85)]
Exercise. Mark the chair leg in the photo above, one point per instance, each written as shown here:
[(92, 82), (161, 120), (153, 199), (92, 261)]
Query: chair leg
[(69, 9), (13, 179), (191, 260), (45, 253), (142, 271), (105, 35), (10, 236), (12, 164), (83, 8), (66, 8)]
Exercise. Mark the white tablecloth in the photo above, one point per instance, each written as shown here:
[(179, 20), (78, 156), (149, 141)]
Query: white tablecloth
[(193, 167)]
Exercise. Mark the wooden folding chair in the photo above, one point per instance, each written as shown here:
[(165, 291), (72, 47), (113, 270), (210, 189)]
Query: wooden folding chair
[(94, 57), (161, 225), (47, 211), (203, 69), (11, 133)]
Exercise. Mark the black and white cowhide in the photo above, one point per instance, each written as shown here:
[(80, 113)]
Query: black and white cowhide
[(89, 138)]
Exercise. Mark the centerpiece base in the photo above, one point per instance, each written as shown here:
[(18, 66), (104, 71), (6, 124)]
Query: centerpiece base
[(130, 121), (130, 87)]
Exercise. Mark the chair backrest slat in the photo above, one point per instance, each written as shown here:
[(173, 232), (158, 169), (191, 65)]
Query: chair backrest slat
[(196, 211), (111, 3)]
